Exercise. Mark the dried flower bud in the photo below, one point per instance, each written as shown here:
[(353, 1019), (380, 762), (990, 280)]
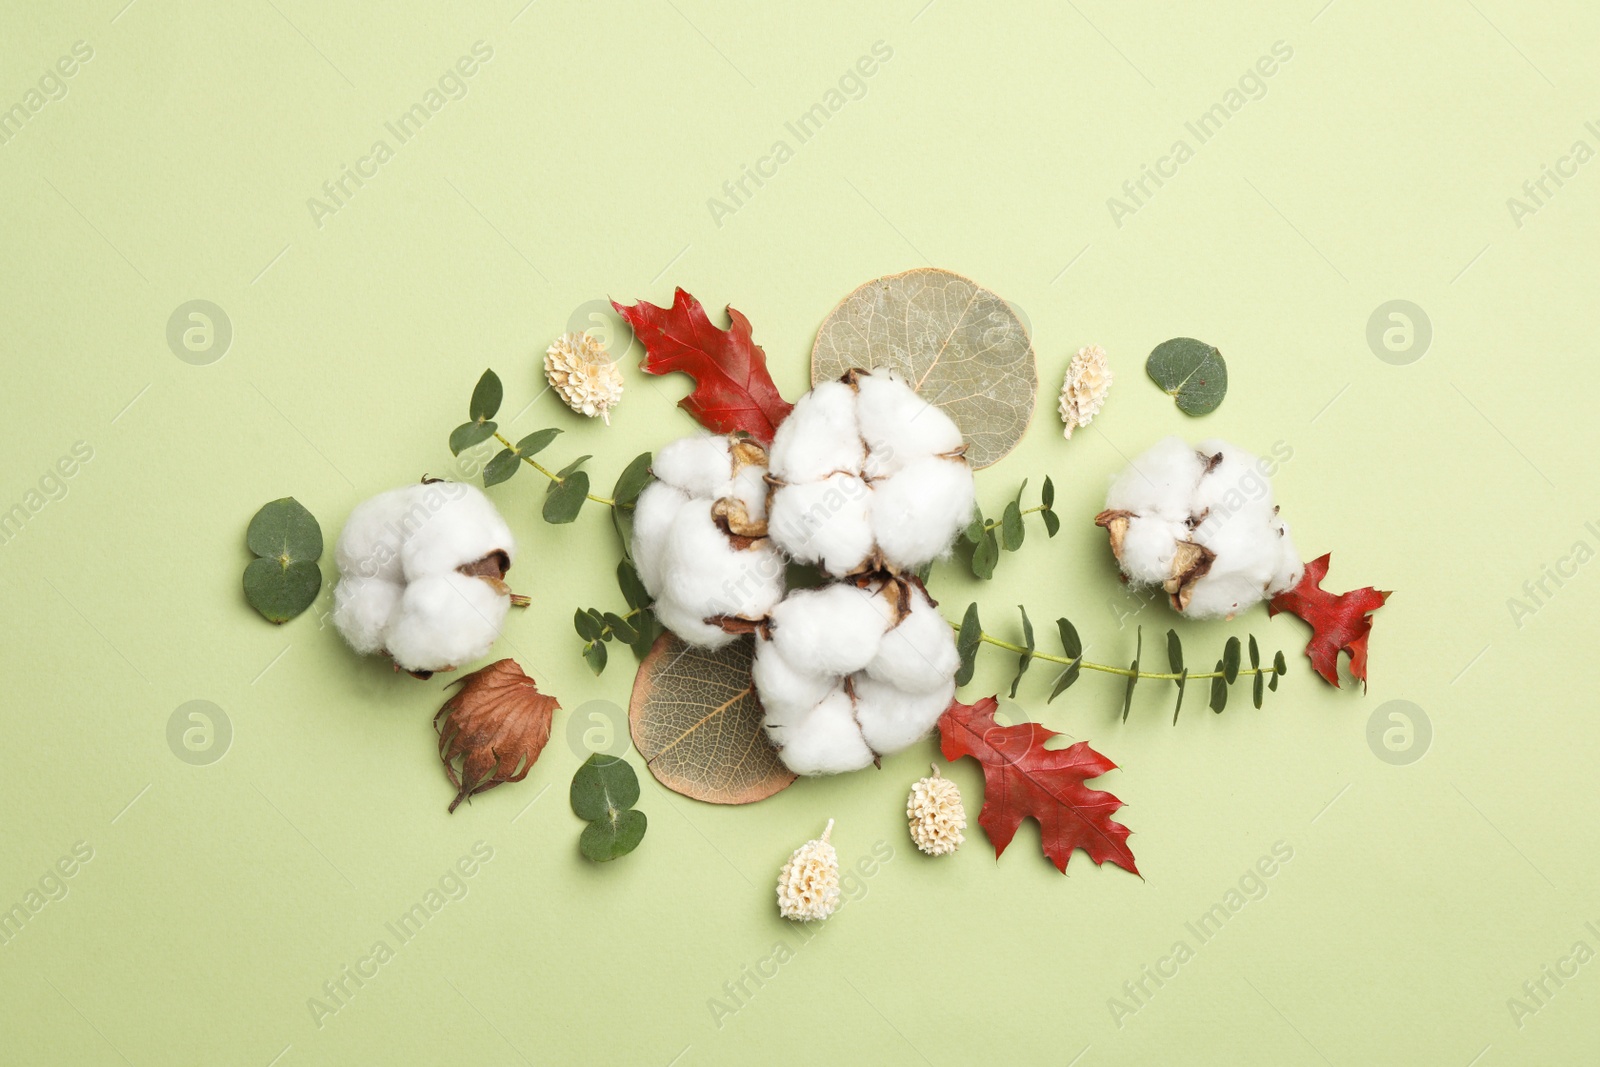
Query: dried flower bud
[(583, 374), (808, 887), (1083, 393), (936, 815)]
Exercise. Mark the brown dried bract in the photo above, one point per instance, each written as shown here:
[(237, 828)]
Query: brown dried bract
[(1115, 523), (495, 725), (491, 569), (1191, 563)]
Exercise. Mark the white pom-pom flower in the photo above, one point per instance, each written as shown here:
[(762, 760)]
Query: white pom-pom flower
[(935, 815), (1201, 523), (699, 539), (421, 576), (584, 375), (868, 476), (852, 671), (1083, 392), (808, 885)]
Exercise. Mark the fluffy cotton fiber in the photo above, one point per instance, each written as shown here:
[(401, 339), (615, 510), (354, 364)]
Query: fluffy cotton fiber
[(847, 673), (868, 476), (402, 587), (1200, 521), (699, 538)]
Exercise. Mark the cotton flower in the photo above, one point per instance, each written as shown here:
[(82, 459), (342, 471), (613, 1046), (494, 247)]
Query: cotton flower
[(852, 671), (422, 573), (868, 476), (935, 815), (584, 375), (699, 539), (808, 885), (1200, 522), (1083, 393)]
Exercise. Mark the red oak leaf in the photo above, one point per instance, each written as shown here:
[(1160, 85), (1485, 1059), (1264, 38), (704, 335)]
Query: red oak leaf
[(732, 389), (1339, 622), (1021, 778)]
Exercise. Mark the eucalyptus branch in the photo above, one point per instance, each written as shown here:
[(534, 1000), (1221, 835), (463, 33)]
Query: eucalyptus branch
[(548, 473), (989, 537), (970, 635)]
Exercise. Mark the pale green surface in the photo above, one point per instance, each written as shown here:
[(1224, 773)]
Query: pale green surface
[(1376, 167)]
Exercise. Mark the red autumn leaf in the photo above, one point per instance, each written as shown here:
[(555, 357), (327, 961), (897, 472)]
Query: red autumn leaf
[(1022, 778), (732, 389), (1339, 622), (495, 725)]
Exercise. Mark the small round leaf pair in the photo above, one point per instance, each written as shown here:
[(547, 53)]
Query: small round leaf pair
[(604, 791), (284, 579), (1192, 372)]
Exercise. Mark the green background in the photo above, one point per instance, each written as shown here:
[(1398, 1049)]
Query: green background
[(579, 164)]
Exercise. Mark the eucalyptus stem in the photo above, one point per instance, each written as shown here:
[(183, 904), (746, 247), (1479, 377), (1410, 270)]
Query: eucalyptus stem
[(552, 475), (996, 523), (1105, 668)]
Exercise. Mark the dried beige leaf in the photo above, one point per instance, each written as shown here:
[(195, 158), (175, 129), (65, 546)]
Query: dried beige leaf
[(696, 721), (1083, 393), (495, 725), (961, 347)]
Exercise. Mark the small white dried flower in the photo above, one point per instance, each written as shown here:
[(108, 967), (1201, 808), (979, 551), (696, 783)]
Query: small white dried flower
[(936, 815), (584, 375), (1083, 393), (808, 887)]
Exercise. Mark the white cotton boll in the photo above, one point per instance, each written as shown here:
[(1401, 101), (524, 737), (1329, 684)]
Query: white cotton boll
[(698, 464), (369, 545), (704, 575), (835, 629), (787, 693), (362, 609), (1223, 595), (1289, 571), (445, 621), (460, 526), (898, 425), (1160, 481), (826, 522), (917, 513), (891, 719), (1149, 546), (827, 740), (919, 654), (653, 516), (1236, 487), (820, 436)]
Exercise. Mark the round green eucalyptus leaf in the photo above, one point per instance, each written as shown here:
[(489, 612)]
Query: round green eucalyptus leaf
[(468, 434), (505, 463), (631, 482), (486, 397), (284, 529), (606, 839), (603, 786), (1192, 372), (565, 498), (280, 591)]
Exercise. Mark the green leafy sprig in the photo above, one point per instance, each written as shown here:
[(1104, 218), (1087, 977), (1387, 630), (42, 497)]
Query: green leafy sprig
[(989, 538), (970, 635)]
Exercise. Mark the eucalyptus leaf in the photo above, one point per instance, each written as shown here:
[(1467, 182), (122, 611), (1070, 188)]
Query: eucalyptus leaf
[(1230, 660), (280, 591), (602, 786), (607, 839), (985, 555), (1174, 651), (284, 529), (1065, 679), (1219, 691), (595, 656), (564, 499), (500, 469), (974, 531), (1052, 522), (536, 442), (648, 629), (632, 481), (633, 590), (1255, 654), (574, 465), (1258, 689), (1026, 657), (1192, 372), (1011, 528), (966, 349), (486, 396), (1279, 667), (586, 626), (468, 434), (1071, 643), (967, 642), (1183, 681), (620, 628), (1047, 494), (1133, 678)]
